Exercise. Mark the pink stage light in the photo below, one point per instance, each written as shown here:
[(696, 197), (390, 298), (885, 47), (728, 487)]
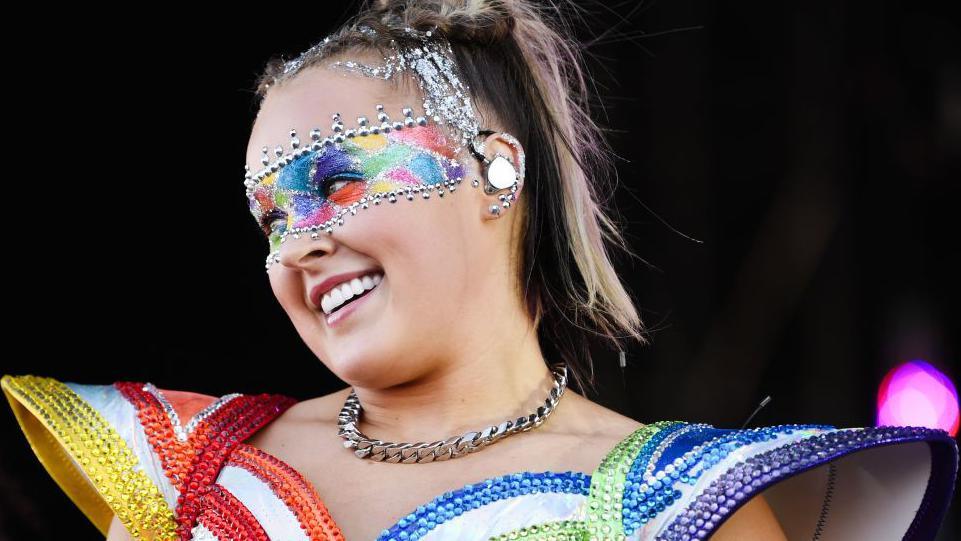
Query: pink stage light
[(917, 394)]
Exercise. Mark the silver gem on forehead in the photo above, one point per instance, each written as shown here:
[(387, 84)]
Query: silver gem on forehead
[(446, 97)]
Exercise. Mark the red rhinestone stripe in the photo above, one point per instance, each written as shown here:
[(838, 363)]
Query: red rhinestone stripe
[(228, 518), (292, 488), (175, 456), (193, 466)]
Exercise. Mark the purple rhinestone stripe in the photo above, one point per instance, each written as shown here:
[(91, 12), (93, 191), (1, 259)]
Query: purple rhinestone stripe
[(652, 490), (472, 496), (937, 495), (726, 494)]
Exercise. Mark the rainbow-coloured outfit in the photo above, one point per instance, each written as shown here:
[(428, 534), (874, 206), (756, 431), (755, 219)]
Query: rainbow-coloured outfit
[(124, 449)]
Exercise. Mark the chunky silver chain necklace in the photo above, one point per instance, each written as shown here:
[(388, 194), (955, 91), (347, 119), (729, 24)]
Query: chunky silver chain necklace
[(411, 453)]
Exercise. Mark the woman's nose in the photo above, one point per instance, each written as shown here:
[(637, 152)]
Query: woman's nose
[(304, 252)]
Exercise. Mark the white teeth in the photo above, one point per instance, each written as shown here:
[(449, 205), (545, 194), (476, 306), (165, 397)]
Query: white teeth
[(346, 291), (356, 286), (342, 293)]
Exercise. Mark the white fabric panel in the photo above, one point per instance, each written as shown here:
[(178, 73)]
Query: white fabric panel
[(273, 514), (508, 514), (201, 533), (122, 416)]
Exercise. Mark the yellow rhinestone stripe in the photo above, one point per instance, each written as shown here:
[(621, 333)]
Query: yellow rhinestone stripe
[(562, 530), (45, 405)]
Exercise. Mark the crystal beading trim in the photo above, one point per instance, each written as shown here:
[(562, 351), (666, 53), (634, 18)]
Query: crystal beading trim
[(183, 432), (740, 483), (103, 455), (472, 496)]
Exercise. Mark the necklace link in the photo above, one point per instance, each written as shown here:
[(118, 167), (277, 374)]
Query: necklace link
[(453, 447)]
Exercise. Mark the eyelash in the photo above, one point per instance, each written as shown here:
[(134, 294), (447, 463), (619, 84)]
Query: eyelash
[(331, 181), (275, 215), (270, 218)]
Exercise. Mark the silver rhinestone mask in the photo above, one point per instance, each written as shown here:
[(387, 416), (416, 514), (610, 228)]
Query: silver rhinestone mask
[(288, 196)]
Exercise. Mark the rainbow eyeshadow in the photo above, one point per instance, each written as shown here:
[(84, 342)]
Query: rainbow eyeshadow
[(317, 189)]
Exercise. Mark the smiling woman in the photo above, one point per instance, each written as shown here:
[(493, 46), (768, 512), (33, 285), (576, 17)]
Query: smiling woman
[(437, 236)]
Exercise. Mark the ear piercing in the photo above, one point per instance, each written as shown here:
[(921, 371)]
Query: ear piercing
[(499, 173)]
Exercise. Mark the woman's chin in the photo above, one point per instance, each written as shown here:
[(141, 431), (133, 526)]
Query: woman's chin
[(365, 369)]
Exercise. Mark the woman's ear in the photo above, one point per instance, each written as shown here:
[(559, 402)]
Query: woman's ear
[(503, 171)]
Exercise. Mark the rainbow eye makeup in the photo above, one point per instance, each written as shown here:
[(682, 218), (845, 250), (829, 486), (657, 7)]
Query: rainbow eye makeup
[(314, 188), (317, 190)]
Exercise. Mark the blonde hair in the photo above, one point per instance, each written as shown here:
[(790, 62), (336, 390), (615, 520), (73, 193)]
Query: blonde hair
[(517, 59)]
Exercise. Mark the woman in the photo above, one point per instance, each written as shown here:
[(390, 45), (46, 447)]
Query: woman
[(438, 240)]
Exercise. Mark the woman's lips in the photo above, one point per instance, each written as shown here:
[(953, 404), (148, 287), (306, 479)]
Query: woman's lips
[(317, 292), (341, 313)]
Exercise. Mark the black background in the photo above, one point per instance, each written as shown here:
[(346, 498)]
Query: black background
[(814, 149)]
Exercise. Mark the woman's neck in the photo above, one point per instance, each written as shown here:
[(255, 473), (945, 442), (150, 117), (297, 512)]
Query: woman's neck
[(486, 385)]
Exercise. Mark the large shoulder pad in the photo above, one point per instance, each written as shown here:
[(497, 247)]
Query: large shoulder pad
[(121, 449), (821, 482)]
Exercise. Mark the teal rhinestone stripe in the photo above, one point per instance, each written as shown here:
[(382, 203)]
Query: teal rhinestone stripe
[(635, 513)]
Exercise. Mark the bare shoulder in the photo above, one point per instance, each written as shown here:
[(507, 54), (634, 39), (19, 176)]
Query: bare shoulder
[(301, 419), (321, 408), (588, 418)]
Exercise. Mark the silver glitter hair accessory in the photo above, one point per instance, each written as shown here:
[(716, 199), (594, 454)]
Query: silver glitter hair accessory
[(446, 97), (453, 447)]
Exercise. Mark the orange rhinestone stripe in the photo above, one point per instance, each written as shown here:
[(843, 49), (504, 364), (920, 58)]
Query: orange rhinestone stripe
[(210, 444), (176, 456), (101, 452), (292, 488), (228, 518)]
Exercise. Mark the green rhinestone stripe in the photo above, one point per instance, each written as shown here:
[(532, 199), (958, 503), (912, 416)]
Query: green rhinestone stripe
[(109, 464), (604, 519), (562, 530)]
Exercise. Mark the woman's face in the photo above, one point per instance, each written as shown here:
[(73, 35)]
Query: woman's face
[(420, 256)]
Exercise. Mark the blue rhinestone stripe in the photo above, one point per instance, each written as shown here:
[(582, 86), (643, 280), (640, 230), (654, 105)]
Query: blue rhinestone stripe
[(604, 517), (708, 454), (452, 504), (634, 513), (653, 489), (739, 483)]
